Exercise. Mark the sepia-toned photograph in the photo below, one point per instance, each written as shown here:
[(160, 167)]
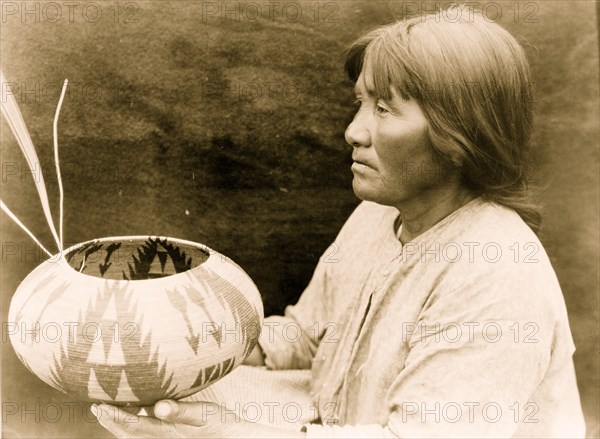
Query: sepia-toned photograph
[(300, 219)]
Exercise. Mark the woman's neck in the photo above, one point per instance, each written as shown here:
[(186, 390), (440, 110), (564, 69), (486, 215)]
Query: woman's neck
[(419, 215)]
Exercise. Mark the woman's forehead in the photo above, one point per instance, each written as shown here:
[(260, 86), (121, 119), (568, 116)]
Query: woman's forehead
[(364, 83), (365, 86), (378, 79)]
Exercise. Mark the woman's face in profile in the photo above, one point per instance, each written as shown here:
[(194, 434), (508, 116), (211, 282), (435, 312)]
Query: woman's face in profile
[(393, 158)]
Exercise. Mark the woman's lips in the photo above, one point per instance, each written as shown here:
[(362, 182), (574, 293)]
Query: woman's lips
[(357, 159), (360, 166)]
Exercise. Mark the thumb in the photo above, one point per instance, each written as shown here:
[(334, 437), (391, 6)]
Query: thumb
[(190, 413)]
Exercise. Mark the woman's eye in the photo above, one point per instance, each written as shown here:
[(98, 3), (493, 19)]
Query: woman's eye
[(381, 109)]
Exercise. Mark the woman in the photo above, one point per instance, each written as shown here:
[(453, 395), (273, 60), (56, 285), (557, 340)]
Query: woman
[(440, 314)]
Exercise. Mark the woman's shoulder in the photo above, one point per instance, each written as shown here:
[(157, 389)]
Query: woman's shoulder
[(498, 238), (493, 219), (500, 259), (486, 225)]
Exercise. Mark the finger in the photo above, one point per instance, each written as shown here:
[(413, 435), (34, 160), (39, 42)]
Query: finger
[(123, 424), (119, 422), (190, 413)]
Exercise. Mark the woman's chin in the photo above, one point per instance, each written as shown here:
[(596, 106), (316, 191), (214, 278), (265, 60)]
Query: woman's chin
[(376, 194), (363, 191)]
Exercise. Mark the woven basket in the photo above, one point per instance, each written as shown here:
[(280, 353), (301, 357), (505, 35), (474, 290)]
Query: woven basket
[(132, 320)]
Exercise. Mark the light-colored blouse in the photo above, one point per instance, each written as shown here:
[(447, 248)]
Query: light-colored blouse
[(462, 332)]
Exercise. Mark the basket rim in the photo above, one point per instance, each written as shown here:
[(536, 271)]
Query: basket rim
[(59, 258)]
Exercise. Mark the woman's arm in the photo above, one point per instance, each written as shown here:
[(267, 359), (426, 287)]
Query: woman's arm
[(290, 341), (256, 357)]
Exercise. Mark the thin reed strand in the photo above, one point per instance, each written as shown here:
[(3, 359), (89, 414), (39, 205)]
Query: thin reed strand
[(57, 161), (5, 208), (12, 114)]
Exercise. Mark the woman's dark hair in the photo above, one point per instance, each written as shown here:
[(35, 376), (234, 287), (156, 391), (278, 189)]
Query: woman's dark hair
[(473, 83)]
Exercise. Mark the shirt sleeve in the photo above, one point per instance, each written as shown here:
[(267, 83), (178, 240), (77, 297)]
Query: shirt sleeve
[(477, 354), (290, 341)]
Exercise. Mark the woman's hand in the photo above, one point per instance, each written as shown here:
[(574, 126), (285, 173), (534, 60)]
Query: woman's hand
[(173, 419), (256, 357), (184, 420)]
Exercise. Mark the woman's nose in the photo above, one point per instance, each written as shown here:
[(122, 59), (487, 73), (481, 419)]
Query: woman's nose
[(357, 134)]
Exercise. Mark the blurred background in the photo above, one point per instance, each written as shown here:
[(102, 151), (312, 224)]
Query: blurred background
[(222, 122)]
